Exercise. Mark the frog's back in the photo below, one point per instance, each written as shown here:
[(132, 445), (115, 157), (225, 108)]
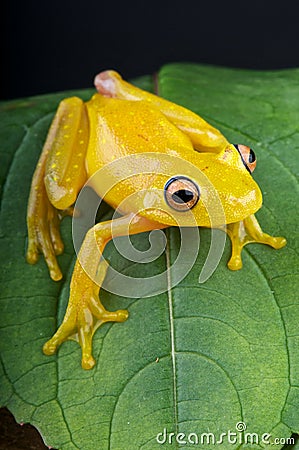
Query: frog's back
[(120, 128)]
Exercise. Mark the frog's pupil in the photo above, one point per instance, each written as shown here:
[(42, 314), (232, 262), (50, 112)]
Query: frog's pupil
[(182, 196), (251, 157)]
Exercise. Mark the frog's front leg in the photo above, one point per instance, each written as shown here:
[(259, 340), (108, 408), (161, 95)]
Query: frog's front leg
[(85, 312), (59, 175), (245, 232)]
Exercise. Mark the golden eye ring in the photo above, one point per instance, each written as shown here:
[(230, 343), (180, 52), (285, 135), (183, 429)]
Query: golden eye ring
[(181, 193)]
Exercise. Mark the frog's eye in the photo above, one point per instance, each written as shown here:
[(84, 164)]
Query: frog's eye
[(248, 157), (181, 193)]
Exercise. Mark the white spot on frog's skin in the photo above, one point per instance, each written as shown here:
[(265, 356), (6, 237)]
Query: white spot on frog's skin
[(66, 136), (75, 166), (53, 166), (79, 154), (68, 180), (66, 127), (81, 142), (80, 131), (58, 153), (70, 115)]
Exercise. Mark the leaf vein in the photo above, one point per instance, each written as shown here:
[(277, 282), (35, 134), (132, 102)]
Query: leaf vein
[(263, 272)]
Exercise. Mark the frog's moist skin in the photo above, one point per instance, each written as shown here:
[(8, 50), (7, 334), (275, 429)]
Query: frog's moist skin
[(122, 120)]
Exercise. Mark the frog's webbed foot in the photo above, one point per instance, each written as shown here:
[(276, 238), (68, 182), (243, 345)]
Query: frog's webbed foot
[(245, 232), (43, 221), (85, 314)]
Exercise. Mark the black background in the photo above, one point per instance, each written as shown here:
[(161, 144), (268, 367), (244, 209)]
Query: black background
[(53, 46)]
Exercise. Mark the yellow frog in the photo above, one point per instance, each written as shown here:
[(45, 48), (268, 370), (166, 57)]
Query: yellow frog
[(119, 121)]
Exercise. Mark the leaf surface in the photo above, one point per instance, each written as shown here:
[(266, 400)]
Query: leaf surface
[(196, 359)]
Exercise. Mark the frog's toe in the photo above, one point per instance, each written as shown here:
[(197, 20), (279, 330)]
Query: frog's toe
[(66, 330), (85, 340), (103, 315), (50, 257), (235, 263), (122, 315), (87, 329), (87, 362), (55, 237), (32, 254), (50, 347), (277, 242), (57, 245)]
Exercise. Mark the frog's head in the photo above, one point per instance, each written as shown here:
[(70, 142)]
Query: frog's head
[(221, 185)]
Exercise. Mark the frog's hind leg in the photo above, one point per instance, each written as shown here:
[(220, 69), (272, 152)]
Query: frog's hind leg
[(245, 232), (204, 137), (58, 177)]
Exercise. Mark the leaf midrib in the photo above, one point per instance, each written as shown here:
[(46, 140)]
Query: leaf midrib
[(171, 329)]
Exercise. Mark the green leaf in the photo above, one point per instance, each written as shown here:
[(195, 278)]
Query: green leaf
[(197, 359)]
